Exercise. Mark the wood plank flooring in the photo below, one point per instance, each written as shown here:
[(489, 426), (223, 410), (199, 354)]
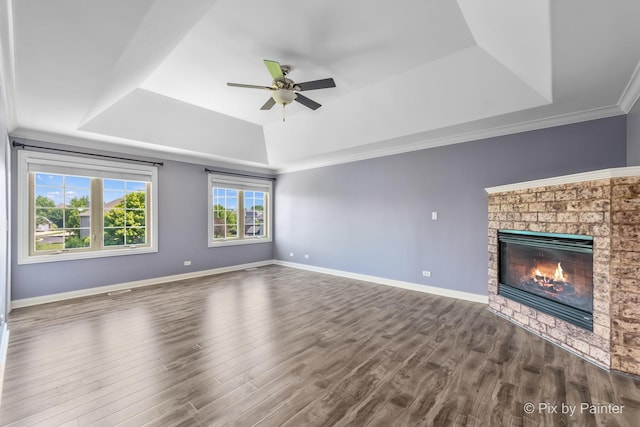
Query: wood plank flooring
[(279, 346)]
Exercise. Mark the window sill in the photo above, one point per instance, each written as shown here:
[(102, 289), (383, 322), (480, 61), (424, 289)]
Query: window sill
[(224, 243), (71, 256)]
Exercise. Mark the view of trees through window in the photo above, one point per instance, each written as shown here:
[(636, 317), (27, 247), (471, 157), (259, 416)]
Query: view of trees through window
[(60, 204), (63, 212), (225, 213), (226, 222), (124, 212), (254, 213)]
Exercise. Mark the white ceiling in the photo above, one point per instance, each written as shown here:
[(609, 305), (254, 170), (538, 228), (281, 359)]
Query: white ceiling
[(152, 74)]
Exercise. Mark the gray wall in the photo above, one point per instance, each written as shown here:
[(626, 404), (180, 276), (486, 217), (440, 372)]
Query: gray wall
[(4, 204), (370, 217), (374, 216), (633, 135), (182, 217)]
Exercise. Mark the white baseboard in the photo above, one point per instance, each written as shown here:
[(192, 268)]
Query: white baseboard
[(4, 345), (467, 296), (26, 302)]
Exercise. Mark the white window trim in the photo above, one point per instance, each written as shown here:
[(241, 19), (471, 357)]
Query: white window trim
[(26, 157), (231, 181)]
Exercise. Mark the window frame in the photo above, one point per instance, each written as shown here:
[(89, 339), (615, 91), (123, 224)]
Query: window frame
[(26, 210), (240, 184)]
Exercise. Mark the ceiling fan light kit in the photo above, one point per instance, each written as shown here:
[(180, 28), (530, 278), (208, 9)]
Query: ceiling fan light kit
[(283, 96), (284, 90)]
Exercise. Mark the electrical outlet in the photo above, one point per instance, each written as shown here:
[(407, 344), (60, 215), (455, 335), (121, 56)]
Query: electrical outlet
[(434, 216), (426, 273), (290, 253), (306, 256), (187, 263)]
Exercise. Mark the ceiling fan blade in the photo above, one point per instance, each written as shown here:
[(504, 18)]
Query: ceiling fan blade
[(307, 102), (317, 84), (274, 69), (270, 103), (249, 86)]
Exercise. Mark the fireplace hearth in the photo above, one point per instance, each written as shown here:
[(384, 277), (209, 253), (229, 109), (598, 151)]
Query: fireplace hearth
[(549, 272)]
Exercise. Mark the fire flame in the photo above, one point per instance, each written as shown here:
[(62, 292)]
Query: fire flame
[(559, 274)]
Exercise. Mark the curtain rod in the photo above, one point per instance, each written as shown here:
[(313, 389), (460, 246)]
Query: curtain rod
[(239, 174), (148, 162)]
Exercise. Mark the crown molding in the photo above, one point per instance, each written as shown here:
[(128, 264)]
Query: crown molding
[(631, 92), (168, 153), (567, 179), (548, 122)]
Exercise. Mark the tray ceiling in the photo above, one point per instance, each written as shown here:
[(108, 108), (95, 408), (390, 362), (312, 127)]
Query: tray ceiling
[(152, 74)]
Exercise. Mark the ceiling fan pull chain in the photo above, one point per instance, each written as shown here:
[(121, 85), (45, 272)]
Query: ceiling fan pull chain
[(283, 111)]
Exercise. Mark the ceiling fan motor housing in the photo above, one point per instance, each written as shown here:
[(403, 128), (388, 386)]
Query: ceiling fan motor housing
[(285, 83)]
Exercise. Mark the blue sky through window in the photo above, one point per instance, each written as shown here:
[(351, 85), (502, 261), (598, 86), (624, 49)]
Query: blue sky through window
[(253, 199), (115, 189), (49, 179), (226, 198), (61, 189), (113, 184)]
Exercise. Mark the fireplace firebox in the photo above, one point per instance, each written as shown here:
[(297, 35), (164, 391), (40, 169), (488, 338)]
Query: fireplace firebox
[(552, 273)]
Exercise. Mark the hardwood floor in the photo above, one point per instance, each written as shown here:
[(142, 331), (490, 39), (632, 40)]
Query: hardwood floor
[(278, 346)]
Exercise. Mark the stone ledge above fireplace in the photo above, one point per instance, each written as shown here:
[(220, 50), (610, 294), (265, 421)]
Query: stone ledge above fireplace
[(603, 204)]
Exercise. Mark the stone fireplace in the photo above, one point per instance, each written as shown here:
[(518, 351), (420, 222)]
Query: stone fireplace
[(602, 207)]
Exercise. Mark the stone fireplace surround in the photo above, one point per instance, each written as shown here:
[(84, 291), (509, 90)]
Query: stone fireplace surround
[(604, 204)]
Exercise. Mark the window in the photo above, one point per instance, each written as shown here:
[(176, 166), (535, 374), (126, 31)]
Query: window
[(239, 210), (124, 212), (73, 208)]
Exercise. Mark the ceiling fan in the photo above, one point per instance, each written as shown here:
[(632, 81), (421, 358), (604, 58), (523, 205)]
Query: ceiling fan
[(284, 90)]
